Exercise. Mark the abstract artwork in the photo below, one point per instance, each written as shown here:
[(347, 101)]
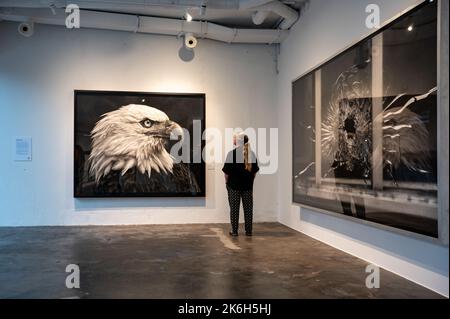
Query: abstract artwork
[(125, 144), (365, 128)]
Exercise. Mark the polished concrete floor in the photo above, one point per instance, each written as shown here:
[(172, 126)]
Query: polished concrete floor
[(184, 261)]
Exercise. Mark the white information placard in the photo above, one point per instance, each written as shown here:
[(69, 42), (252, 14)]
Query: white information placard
[(22, 149)]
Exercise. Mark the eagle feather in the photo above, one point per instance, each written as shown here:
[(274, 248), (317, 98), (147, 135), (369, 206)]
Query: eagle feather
[(121, 141)]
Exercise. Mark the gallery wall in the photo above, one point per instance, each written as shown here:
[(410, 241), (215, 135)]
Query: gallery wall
[(325, 28), (37, 79)]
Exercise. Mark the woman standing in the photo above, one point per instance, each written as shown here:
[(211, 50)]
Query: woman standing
[(240, 170)]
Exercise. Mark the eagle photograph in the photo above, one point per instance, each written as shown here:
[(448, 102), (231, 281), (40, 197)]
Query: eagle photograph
[(365, 129), (123, 144)]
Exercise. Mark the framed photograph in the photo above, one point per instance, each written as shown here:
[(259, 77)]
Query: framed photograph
[(365, 139), (135, 144)]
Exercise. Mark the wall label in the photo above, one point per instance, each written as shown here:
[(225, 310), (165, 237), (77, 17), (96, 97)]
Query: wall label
[(22, 149)]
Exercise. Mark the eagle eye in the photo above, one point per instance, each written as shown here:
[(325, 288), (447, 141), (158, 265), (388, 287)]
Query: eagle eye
[(147, 123)]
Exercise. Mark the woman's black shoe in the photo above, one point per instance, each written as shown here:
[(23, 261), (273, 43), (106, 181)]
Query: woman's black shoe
[(233, 234), (249, 234)]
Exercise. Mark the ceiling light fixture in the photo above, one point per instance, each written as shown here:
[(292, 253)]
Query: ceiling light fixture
[(190, 41), (410, 28), (188, 17), (186, 52), (202, 11), (26, 28)]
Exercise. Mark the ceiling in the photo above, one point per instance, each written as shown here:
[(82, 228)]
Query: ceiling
[(223, 12)]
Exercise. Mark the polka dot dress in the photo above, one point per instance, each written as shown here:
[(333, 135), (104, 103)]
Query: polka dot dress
[(234, 198)]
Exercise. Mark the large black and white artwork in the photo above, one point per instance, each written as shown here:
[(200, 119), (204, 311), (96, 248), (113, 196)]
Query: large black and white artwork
[(365, 128), (131, 144)]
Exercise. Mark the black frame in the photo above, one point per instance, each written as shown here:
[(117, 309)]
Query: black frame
[(200, 194)]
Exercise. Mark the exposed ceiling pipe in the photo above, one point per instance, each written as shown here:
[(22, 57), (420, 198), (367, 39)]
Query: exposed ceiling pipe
[(290, 16), (250, 4), (262, 7), (258, 17), (141, 24), (111, 4)]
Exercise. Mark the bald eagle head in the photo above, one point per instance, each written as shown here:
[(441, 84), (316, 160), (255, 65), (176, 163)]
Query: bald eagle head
[(132, 136)]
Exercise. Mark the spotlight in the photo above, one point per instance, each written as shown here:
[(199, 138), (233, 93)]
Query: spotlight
[(410, 28), (188, 17), (53, 9), (203, 10), (186, 52), (190, 41), (26, 29)]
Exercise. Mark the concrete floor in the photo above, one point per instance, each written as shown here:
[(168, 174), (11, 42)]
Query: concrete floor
[(184, 261)]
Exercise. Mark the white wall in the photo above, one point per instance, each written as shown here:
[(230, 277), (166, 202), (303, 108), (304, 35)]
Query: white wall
[(324, 29), (37, 79)]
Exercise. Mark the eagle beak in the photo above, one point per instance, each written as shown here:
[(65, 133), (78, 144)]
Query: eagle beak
[(174, 131)]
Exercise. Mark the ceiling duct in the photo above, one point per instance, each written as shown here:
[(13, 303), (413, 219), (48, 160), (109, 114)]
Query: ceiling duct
[(290, 16), (261, 8), (143, 24)]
